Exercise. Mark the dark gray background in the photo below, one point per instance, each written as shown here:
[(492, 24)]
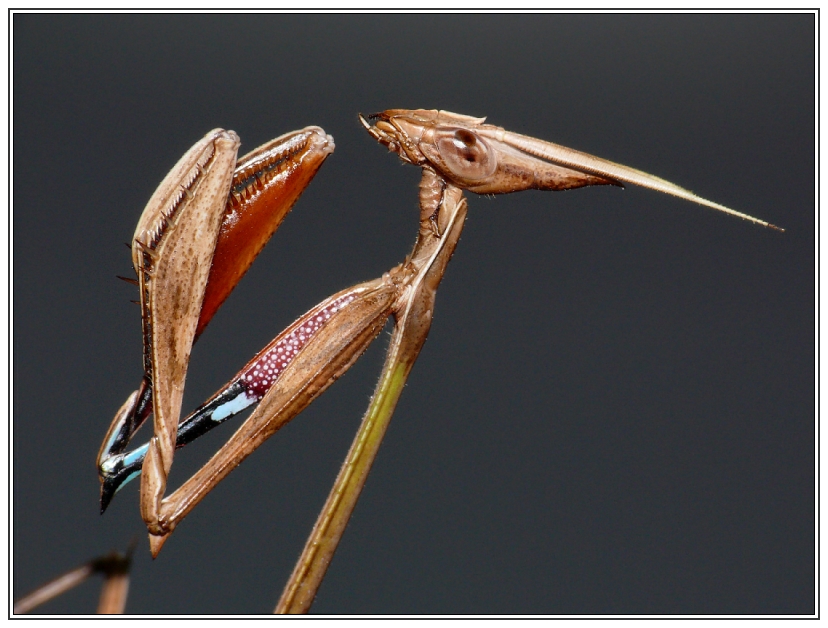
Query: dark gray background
[(614, 412)]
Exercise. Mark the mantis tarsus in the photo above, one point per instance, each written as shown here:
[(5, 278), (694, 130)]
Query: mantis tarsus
[(176, 245)]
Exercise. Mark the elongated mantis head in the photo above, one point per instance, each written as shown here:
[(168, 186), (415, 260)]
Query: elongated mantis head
[(487, 159)]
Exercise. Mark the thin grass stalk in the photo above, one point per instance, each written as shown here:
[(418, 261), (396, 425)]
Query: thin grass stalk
[(307, 576)]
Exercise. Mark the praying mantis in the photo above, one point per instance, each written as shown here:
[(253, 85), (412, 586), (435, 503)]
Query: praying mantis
[(186, 269)]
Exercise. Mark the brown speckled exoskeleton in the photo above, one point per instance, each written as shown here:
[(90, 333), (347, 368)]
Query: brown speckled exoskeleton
[(202, 229)]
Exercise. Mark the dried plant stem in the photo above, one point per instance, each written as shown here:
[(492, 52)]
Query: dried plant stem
[(53, 589), (115, 569), (114, 594)]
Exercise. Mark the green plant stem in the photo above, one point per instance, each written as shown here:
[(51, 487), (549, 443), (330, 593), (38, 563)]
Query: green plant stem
[(312, 565)]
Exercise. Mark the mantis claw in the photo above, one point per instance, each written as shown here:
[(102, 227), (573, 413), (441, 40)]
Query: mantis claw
[(198, 235)]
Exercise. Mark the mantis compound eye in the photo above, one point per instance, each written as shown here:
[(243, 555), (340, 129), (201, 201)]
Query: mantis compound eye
[(466, 154)]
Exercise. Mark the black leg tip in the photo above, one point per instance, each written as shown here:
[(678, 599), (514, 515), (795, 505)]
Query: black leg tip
[(108, 489)]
